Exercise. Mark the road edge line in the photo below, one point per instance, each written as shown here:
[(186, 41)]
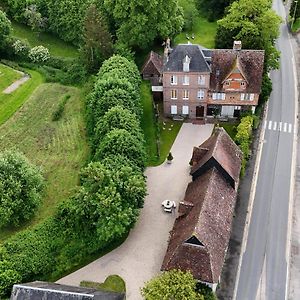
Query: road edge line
[(251, 196), (293, 175)]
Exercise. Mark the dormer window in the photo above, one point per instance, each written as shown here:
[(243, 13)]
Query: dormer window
[(243, 84), (186, 64), (227, 83)]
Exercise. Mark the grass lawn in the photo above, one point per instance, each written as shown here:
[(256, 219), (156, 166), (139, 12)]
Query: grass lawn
[(203, 30), (7, 77), (59, 148), (230, 128), (113, 283), (10, 103), (56, 46), (167, 129)]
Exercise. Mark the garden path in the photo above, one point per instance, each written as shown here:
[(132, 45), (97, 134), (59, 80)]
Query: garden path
[(140, 257), (16, 84)]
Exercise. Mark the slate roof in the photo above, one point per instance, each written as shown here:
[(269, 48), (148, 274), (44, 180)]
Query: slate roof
[(221, 152), (176, 57), (153, 64), (207, 223), (38, 290), (251, 63)]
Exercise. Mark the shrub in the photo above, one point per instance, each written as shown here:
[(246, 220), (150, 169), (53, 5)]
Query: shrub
[(39, 54), (21, 186), (57, 114), (21, 48)]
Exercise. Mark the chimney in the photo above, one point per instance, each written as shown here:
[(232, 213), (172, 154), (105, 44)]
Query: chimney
[(237, 45), (185, 208), (186, 64)]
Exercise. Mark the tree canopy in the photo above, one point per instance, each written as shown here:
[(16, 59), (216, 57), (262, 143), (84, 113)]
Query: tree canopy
[(255, 24), (174, 284), (213, 9), (21, 186), (138, 23), (5, 28)]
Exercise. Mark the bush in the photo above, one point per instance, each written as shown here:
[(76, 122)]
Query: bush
[(57, 114), (39, 54), (21, 186), (21, 48)]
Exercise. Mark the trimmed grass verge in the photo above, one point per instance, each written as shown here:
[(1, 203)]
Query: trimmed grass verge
[(10, 103), (56, 46), (59, 148), (7, 77), (113, 283), (203, 30), (165, 131), (230, 128)]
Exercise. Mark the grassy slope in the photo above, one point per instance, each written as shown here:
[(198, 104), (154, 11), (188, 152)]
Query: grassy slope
[(112, 283), (10, 103), (204, 31), (60, 148), (56, 46), (7, 77)]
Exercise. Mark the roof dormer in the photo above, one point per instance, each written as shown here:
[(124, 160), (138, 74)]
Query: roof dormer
[(186, 63)]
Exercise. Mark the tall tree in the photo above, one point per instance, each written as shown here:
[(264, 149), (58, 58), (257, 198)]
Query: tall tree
[(35, 19), (174, 284), (138, 22), (213, 9), (255, 24), (5, 28), (97, 41)]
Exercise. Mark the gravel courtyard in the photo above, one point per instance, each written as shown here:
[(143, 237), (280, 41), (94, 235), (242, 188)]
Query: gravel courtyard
[(140, 257)]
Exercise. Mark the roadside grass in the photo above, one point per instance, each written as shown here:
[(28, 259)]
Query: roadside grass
[(60, 148), (203, 30), (56, 46), (166, 130), (10, 103), (296, 25), (7, 77), (113, 283)]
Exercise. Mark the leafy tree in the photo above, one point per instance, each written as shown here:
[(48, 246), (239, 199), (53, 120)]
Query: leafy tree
[(138, 23), (205, 291), (174, 284), (35, 19), (295, 9), (39, 54), (120, 141), (21, 186), (117, 118), (213, 9), (5, 29), (255, 24), (97, 41)]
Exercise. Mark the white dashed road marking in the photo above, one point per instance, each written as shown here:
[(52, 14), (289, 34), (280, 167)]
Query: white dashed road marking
[(279, 126)]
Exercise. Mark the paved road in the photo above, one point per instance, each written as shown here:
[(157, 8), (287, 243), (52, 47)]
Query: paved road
[(264, 268), (140, 257)]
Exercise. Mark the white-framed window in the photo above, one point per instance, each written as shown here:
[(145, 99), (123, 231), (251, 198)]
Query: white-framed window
[(201, 80), (185, 80), (173, 94), (173, 109), (200, 94), (173, 79), (247, 97), (243, 84), (186, 94), (185, 110), (227, 83), (218, 96)]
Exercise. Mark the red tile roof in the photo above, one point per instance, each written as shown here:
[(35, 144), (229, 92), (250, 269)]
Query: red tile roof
[(209, 221), (153, 64), (250, 62), (219, 151)]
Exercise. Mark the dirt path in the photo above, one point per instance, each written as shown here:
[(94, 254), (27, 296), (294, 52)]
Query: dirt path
[(16, 84)]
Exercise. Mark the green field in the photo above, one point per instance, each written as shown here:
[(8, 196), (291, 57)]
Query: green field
[(10, 103), (7, 77), (60, 148), (56, 46), (203, 30)]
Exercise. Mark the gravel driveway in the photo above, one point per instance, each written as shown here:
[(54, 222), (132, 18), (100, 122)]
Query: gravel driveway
[(140, 257)]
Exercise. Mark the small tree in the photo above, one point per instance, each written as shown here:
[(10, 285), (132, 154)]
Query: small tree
[(21, 186), (39, 54), (174, 284), (21, 48), (5, 29), (35, 19)]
